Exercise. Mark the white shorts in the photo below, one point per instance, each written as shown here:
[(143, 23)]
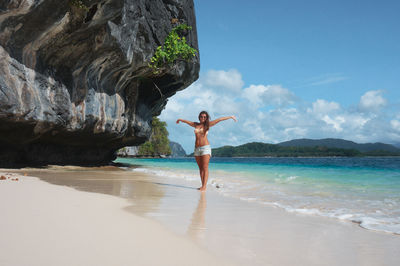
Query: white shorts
[(202, 150)]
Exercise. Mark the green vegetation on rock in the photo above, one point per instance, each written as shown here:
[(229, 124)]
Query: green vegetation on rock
[(158, 144), (174, 48)]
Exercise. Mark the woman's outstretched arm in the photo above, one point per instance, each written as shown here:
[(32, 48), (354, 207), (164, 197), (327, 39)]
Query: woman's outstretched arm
[(216, 121), (190, 123)]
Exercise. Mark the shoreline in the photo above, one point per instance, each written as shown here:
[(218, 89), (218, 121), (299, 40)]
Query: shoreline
[(257, 235), (188, 156), (282, 183)]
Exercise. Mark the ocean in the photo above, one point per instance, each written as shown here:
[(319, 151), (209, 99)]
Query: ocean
[(361, 190)]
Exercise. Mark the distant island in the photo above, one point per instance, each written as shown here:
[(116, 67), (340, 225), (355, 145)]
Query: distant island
[(176, 149), (308, 148)]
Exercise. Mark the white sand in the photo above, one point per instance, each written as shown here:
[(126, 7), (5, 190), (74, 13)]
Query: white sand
[(44, 224)]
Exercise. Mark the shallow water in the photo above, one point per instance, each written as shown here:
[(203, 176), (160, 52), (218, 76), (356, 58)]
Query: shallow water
[(362, 190)]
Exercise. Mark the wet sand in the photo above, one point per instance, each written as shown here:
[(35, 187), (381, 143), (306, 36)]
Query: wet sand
[(238, 232)]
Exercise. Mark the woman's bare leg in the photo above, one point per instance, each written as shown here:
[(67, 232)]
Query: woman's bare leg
[(199, 164), (205, 159)]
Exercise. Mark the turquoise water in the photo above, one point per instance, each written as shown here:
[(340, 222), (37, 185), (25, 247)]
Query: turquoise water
[(362, 190)]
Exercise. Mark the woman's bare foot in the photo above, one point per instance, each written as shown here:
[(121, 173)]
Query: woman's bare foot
[(202, 188)]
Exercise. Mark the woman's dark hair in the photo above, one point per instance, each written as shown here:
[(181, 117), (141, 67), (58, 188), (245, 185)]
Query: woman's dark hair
[(207, 122)]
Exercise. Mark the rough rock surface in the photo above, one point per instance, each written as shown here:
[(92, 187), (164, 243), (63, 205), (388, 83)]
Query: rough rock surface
[(132, 151), (176, 149), (75, 85)]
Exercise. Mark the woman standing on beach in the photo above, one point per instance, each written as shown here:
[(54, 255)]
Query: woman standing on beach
[(202, 150)]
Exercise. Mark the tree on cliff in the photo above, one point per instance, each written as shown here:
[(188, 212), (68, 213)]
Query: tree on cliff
[(158, 143)]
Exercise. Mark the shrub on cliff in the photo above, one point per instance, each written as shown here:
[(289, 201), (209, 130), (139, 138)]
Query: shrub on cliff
[(174, 48)]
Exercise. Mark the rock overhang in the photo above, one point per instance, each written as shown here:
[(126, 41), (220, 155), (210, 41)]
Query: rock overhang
[(75, 85)]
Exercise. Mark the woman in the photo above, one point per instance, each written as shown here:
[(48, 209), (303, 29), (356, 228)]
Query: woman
[(202, 150)]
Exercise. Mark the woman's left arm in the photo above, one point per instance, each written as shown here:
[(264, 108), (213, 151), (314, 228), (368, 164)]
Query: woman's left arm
[(216, 121)]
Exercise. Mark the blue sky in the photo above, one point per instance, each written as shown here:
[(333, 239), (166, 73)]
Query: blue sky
[(294, 69)]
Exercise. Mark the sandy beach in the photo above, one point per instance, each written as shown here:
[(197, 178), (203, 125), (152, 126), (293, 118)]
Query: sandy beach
[(44, 224), (109, 216)]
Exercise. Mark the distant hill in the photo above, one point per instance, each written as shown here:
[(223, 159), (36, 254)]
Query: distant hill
[(176, 149), (341, 144), (307, 148), (258, 149)]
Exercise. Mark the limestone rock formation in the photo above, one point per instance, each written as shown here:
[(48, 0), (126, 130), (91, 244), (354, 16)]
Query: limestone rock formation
[(75, 85), (130, 151), (176, 149)]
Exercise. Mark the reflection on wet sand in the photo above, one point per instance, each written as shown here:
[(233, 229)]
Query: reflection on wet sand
[(197, 227), (148, 195), (139, 189)]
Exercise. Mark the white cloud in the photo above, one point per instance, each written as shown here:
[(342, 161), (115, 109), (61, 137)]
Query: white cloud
[(271, 113), (321, 107), (355, 121), (395, 124), (175, 106), (261, 95), (295, 132), (335, 122), (231, 79), (372, 101), (326, 79)]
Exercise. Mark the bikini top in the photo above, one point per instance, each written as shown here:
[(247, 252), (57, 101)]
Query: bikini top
[(199, 130)]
